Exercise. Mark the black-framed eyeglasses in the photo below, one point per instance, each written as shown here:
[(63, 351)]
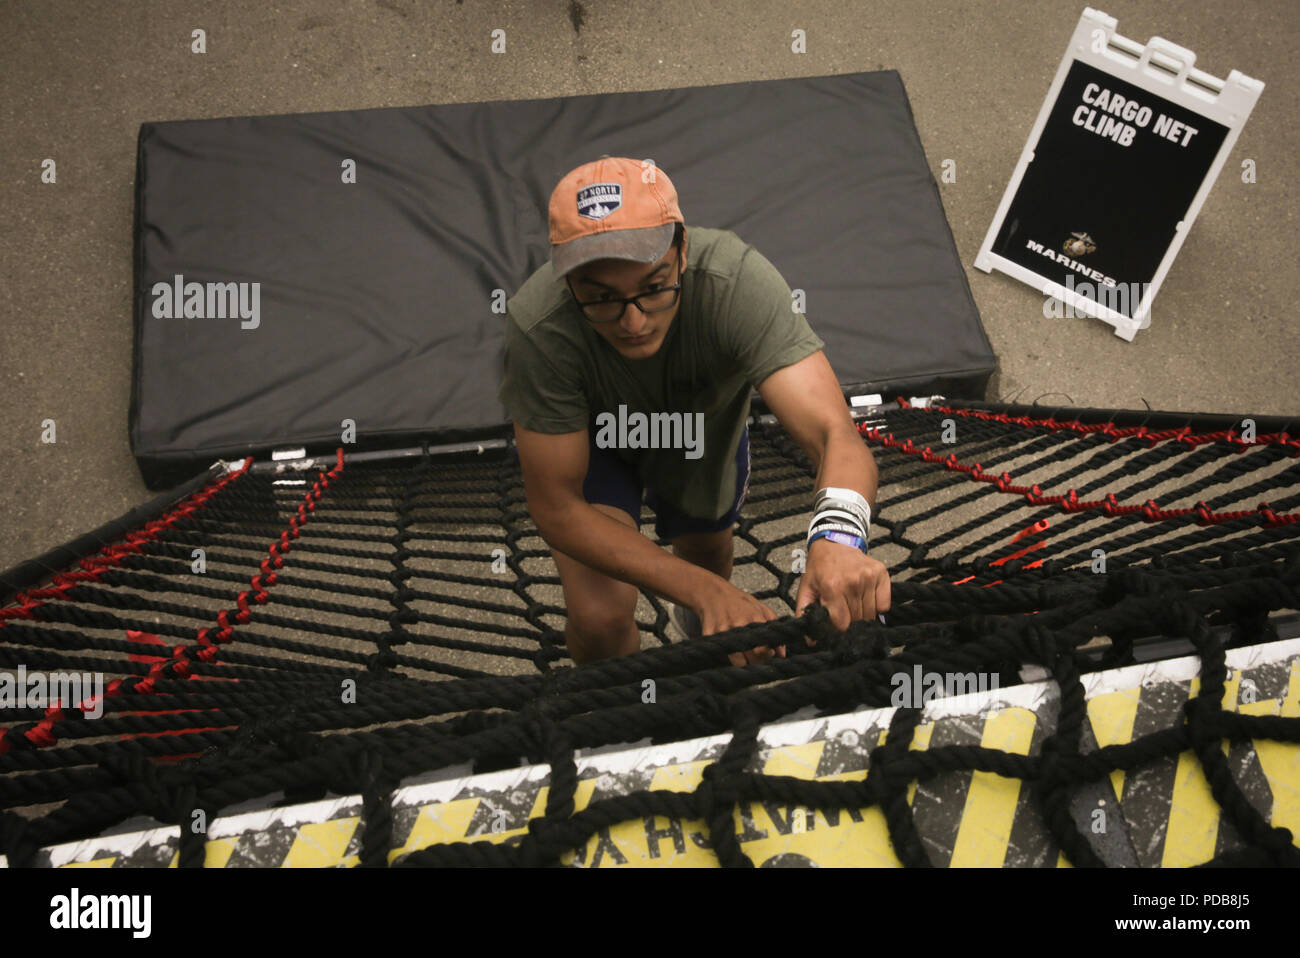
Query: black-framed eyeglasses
[(610, 309)]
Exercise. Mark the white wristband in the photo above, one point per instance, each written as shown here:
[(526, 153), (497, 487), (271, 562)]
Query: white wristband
[(844, 506), (841, 505), (847, 495), (839, 515)]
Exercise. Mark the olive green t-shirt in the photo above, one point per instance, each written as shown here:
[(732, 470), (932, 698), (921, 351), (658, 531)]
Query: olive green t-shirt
[(735, 327)]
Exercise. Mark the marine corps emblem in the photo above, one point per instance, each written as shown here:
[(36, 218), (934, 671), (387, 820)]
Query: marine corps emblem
[(1079, 244)]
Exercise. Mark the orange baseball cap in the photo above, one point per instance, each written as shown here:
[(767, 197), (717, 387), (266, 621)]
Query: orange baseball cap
[(612, 208)]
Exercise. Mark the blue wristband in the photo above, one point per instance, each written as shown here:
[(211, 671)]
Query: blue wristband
[(843, 538)]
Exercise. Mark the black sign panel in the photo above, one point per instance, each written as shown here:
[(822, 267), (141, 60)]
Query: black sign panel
[(1114, 172)]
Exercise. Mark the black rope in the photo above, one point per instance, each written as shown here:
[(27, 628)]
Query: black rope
[(414, 622)]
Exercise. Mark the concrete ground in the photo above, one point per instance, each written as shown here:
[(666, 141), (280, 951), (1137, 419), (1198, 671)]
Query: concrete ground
[(80, 76)]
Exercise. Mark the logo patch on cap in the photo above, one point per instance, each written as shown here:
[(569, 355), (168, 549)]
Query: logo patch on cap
[(599, 200)]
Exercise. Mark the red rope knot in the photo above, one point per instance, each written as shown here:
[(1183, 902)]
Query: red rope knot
[(1203, 515), (1004, 480), (1150, 511), (23, 611), (42, 736), (1035, 494), (182, 668), (1270, 519)]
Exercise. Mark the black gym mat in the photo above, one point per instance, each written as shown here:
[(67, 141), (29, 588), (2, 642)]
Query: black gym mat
[(375, 299)]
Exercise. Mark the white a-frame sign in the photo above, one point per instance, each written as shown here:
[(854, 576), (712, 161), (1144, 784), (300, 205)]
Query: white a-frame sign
[(1123, 153)]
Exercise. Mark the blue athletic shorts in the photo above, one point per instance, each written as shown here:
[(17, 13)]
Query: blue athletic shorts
[(612, 482)]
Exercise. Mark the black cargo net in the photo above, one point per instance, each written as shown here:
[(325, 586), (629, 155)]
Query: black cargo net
[(345, 628)]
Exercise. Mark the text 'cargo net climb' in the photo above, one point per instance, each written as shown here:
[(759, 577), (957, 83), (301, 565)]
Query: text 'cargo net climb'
[(343, 628)]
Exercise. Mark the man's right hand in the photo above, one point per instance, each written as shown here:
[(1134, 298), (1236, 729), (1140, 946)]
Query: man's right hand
[(729, 608)]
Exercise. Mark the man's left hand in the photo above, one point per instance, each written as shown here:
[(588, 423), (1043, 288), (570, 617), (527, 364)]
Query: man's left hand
[(851, 586)]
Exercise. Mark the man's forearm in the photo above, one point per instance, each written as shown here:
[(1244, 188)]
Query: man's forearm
[(847, 463), (621, 552)]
